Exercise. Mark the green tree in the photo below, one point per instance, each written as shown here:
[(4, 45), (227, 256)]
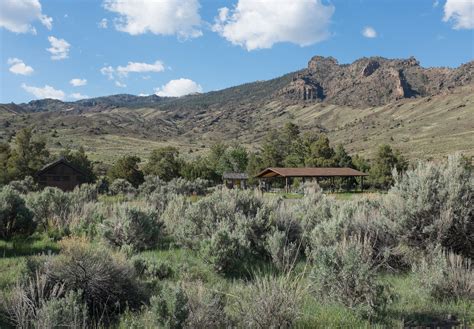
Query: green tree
[(234, 159), (360, 163), (380, 174), (273, 153), (341, 158), (28, 155), (127, 168), (199, 168), (79, 159), (320, 153), (5, 152), (164, 163)]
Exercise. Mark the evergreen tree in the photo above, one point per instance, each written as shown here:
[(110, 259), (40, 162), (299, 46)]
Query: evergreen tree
[(127, 168), (386, 159), (341, 158), (80, 160), (4, 156), (28, 155), (164, 163)]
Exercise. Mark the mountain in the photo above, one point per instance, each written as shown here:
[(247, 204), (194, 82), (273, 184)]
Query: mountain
[(426, 112)]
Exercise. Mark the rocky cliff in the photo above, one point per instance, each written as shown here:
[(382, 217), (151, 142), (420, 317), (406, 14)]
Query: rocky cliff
[(372, 81)]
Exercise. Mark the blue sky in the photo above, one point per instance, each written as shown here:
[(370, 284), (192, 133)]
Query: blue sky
[(175, 47)]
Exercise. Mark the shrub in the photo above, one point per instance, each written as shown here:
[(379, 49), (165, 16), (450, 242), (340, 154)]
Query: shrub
[(226, 252), (446, 276), (152, 269), (186, 305), (285, 243), (121, 186), (15, 218), (151, 184), (50, 207), (268, 302), (25, 185), (83, 193), (345, 273), (434, 204), (139, 228), (85, 221), (229, 226), (38, 303), (106, 281)]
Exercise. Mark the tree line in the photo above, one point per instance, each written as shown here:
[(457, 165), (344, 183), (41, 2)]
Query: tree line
[(287, 147)]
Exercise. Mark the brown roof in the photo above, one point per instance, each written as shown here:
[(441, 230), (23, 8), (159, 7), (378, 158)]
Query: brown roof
[(309, 172), (57, 162)]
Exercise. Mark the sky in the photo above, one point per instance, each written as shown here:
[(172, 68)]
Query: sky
[(73, 49)]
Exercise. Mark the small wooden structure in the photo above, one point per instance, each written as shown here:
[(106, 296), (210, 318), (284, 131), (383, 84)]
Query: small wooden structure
[(309, 173), (235, 179), (61, 174)]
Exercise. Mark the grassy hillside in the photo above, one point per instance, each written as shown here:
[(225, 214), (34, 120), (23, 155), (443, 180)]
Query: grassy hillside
[(429, 127)]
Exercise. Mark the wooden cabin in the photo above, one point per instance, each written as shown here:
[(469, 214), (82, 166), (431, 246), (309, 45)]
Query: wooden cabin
[(235, 179), (61, 174)]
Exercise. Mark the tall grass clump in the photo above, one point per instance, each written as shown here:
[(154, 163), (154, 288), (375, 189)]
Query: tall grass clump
[(446, 276), (37, 303), (268, 301), (434, 204), (15, 218)]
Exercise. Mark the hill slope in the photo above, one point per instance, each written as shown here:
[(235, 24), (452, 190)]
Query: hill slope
[(424, 112)]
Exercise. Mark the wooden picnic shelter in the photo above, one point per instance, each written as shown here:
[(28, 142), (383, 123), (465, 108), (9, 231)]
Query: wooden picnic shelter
[(309, 173)]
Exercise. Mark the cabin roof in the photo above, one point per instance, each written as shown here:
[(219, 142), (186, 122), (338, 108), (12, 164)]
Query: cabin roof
[(61, 160), (235, 175), (309, 172)]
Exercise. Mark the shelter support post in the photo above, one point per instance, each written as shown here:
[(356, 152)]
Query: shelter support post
[(287, 188)]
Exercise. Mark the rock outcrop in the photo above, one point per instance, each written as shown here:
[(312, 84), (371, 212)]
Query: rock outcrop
[(372, 81)]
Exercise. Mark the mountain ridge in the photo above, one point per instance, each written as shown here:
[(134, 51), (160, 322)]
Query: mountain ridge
[(436, 106)]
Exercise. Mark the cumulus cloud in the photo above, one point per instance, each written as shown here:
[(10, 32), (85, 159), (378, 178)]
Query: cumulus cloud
[(78, 82), (369, 32), (44, 92), (164, 17), (460, 13), (19, 67), (261, 24), (103, 24), (136, 67), (178, 87), (78, 96), (120, 72), (18, 15), (59, 48)]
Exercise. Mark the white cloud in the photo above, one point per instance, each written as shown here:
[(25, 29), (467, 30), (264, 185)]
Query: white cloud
[(121, 72), (19, 67), (59, 48), (44, 92), (179, 87), (260, 24), (143, 95), (136, 67), (103, 24), (18, 15), (78, 82), (369, 32), (460, 12), (78, 96), (164, 17)]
